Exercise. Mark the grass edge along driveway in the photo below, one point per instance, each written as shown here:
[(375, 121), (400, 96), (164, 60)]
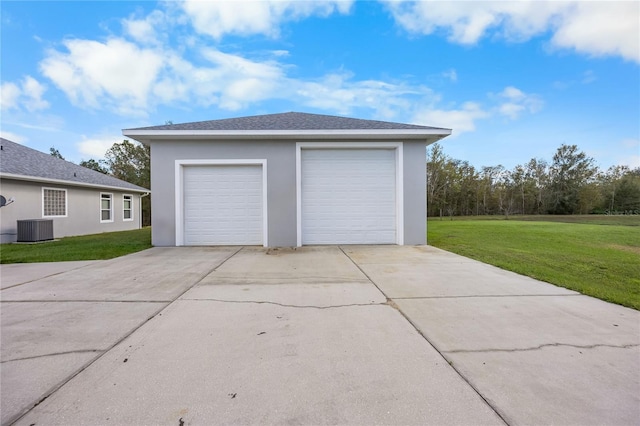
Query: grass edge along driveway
[(86, 247), (598, 260)]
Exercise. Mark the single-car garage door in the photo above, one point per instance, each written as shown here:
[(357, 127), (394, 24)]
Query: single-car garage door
[(348, 196), (222, 205)]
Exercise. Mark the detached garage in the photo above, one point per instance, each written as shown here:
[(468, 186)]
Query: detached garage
[(288, 179)]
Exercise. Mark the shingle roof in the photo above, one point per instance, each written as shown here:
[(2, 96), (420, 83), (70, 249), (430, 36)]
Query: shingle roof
[(16, 159), (290, 121)]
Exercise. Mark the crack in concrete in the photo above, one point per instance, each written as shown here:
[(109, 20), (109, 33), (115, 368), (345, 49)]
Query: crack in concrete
[(71, 376), (79, 351), (284, 305), (503, 416), (535, 348)]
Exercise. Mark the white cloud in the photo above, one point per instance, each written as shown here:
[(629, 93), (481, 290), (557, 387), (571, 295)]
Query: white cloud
[(451, 75), (148, 30), (120, 76), (590, 27), (511, 102), (461, 120), (9, 95), (514, 101), (33, 91), (338, 92), (217, 18), (601, 28), (92, 73), (27, 95), (239, 81), (631, 156), (630, 143), (13, 137), (96, 146)]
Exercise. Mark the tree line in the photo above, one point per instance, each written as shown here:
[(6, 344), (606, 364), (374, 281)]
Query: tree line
[(127, 161), (570, 183)]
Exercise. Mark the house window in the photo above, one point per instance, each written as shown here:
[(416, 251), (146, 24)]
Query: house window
[(54, 202), (106, 207), (127, 207)]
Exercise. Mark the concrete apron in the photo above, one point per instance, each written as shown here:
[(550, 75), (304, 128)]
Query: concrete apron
[(308, 336), (56, 325), (539, 354), (266, 336)]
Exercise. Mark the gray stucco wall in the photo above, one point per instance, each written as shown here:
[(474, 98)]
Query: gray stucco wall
[(281, 188), (83, 210), (281, 185), (415, 190)]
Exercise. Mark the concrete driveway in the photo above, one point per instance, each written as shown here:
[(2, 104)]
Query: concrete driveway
[(318, 335)]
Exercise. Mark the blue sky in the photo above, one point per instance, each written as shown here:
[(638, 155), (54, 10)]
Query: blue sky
[(513, 79)]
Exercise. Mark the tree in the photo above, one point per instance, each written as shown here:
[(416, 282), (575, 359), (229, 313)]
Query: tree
[(490, 178), (436, 160), (98, 166), (570, 170), (518, 178), (537, 170), (55, 153), (132, 163), (621, 189)]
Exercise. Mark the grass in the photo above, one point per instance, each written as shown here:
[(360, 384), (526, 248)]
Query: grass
[(597, 256), (86, 247)]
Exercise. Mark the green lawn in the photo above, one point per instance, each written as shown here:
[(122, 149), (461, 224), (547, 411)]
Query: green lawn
[(600, 258), (86, 247)]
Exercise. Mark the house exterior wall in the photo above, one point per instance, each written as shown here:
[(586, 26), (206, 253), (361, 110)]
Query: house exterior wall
[(83, 209), (415, 190), (281, 185)]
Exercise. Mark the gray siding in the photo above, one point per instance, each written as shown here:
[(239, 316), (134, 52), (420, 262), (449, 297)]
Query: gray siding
[(281, 185), (83, 210)]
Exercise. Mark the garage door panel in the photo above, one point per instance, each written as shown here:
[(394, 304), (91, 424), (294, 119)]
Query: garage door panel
[(223, 205), (348, 196)]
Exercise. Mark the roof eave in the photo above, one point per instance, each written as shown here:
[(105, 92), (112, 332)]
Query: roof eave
[(71, 183), (146, 136)]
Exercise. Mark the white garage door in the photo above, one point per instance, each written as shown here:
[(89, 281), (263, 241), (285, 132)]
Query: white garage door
[(222, 205), (348, 196)]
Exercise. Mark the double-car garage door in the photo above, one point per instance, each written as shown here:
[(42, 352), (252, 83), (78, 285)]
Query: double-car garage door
[(347, 196)]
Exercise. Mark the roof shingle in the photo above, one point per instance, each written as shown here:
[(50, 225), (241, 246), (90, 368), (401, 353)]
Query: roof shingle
[(289, 121), (16, 159)]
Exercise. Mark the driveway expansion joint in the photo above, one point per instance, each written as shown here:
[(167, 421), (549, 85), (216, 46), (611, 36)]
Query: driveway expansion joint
[(43, 277), (539, 347), (222, 263), (79, 351), (503, 417), (62, 383)]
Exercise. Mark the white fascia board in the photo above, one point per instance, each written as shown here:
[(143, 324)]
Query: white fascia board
[(146, 135), (70, 183)]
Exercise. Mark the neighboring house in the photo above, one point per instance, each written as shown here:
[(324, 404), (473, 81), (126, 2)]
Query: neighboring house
[(288, 179), (79, 200)]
